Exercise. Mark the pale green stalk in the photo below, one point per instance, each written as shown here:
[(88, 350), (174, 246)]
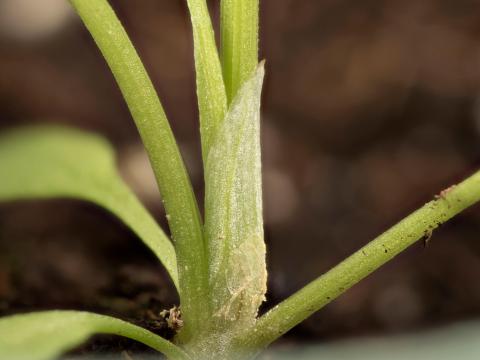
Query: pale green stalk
[(212, 99), (179, 199), (329, 286), (239, 33)]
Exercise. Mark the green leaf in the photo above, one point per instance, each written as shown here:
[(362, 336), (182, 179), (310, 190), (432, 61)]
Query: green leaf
[(178, 197), (46, 335), (212, 98), (54, 162), (239, 24), (233, 218)]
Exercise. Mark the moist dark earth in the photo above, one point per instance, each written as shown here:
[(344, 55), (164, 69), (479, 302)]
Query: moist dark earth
[(371, 108)]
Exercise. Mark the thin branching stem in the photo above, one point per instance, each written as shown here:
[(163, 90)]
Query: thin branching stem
[(417, 226)]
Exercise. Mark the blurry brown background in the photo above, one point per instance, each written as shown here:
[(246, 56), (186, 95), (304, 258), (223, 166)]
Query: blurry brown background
[(370, 108)]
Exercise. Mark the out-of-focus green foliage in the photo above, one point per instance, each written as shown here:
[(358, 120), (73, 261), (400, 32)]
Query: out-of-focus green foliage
[(46, 335), (459, 341), (56, 162)]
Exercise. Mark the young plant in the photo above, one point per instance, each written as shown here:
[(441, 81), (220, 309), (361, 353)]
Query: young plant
[(217, 264)]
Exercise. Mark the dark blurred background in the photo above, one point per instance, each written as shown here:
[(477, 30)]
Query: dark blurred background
[(370, 108)]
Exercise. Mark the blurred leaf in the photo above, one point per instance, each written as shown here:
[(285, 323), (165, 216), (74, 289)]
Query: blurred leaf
[(46, 335), (56, 162), (459, 341), (212, 99), (233, 210), (239, 24)]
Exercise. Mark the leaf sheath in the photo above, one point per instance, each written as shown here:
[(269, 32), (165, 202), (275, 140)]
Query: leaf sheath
[(233, 212)]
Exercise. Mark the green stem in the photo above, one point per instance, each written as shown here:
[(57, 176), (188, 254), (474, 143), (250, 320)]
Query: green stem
[(212, 98), (239, 24), (107, 325), (329, 286), (48, 334), (147, 111)]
